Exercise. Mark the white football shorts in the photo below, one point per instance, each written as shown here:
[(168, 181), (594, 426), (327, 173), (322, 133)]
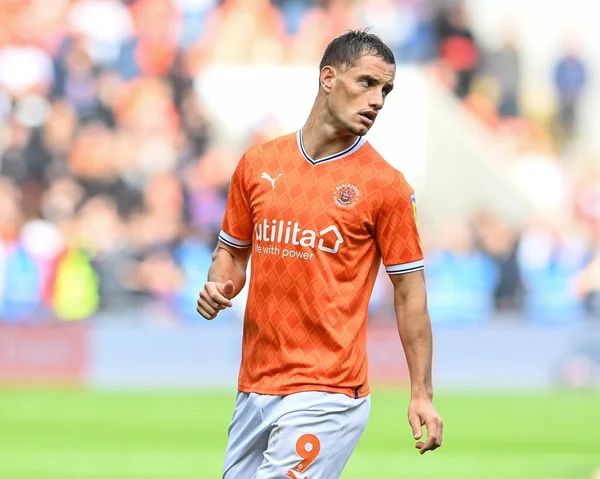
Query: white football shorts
[(308, 435)]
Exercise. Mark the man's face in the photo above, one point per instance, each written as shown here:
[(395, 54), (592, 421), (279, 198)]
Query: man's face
[(358, 92)]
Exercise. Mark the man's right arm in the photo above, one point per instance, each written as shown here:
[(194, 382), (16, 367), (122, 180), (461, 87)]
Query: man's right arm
[(226, 278)]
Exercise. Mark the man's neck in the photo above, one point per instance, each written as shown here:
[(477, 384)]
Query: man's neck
[(321, 139)]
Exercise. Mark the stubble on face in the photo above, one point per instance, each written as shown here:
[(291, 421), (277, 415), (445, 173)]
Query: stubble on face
[(360, 88)]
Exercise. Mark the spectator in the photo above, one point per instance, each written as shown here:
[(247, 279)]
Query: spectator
[(570, 80), (457, 48), (466, 301), (504, 65), (500, 243)]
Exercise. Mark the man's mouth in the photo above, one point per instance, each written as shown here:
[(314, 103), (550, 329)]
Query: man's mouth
[(369, 116)]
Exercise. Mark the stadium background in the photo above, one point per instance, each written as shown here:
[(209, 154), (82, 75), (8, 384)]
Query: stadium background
[(120, 124)]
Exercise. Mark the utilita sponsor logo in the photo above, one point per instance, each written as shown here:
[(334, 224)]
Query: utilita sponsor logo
[(282, 232)]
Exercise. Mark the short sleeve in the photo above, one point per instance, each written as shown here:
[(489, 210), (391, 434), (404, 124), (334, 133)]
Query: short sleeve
[(237, 224), (396, 229)]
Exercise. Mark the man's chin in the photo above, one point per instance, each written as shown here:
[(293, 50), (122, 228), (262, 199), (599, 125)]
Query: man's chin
[(361, 130)]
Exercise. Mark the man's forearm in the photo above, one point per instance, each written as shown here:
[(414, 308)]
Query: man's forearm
[(226, 267), (414, 327)]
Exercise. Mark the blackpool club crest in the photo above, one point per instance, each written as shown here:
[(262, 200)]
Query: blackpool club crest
[(346, 195)]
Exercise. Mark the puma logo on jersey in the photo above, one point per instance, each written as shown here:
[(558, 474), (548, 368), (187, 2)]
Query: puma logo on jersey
[(266, 176)]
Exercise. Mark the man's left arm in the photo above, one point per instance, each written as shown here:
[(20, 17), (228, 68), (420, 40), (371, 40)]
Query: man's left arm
[(414, 327)]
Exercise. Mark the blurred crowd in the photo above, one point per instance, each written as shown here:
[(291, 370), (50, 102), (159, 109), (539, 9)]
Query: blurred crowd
[(112, 187)]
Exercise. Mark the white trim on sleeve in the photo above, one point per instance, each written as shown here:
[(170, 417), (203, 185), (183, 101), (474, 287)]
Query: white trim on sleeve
[(406, 267), (231, 241)]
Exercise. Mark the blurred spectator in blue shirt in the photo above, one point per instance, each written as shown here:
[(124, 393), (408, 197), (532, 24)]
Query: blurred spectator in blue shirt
[(460, 279)]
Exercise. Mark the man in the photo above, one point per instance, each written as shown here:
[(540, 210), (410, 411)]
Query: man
[(318, 209)]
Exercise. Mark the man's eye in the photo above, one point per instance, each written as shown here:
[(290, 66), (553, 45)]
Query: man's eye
[(366, 83)]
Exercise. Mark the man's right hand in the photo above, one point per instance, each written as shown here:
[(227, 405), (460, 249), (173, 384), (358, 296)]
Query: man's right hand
[(214, 298)]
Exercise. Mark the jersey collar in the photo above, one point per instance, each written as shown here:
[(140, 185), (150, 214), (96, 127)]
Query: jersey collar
[(360, 141)]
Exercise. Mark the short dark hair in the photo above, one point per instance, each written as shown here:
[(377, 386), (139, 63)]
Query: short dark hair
[(348, 48)]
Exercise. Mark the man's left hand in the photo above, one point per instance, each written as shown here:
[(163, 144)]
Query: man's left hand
[(422, 413)]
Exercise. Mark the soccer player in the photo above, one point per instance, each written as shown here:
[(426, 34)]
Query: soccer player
[(319, 210)]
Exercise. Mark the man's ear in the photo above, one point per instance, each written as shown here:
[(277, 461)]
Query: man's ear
[(327, 78)]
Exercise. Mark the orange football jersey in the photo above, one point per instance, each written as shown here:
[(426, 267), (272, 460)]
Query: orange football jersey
[(318, 230)]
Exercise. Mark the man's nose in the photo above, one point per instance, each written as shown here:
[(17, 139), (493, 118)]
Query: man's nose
[(376, 100)]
